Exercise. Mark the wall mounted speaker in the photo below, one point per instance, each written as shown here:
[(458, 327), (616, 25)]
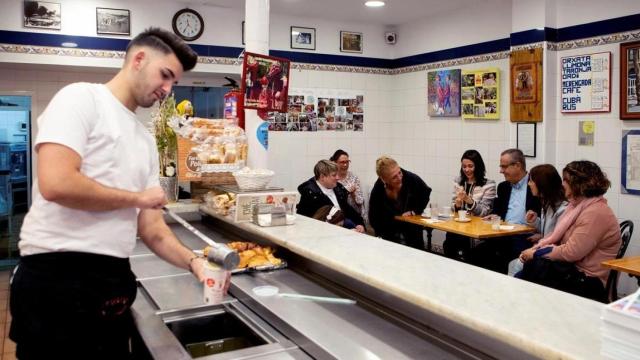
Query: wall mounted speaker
[(390, 37)]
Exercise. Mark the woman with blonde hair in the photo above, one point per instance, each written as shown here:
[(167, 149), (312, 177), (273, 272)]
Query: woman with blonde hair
[(397, 192)]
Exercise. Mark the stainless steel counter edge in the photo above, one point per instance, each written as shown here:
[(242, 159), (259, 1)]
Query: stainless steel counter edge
[(494, 313)]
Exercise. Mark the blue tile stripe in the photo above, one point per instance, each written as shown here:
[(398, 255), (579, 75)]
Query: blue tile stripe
[(605, 27)]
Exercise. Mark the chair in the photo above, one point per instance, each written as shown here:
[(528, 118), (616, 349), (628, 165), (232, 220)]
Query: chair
[(626, 230)]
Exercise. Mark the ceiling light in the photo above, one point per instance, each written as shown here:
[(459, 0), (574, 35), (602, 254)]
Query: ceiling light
[(69, 44), (374, 3)]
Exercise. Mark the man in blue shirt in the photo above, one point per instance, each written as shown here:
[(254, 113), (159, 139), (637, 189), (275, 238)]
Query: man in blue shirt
[(513, 200)]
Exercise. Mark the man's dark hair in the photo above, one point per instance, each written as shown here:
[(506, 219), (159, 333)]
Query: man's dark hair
[(167, 43)]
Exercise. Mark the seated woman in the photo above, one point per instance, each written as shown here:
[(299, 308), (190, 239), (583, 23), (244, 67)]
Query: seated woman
[(472, 192), (546, 184), (588, 234), (397, 192), (350, 181)]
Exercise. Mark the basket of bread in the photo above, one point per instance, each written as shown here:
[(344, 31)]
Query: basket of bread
[(253, 257), (221, 204), (253, 179)]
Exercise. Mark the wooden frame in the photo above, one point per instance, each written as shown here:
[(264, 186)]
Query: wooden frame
[(351, 41), (629, 84), (113, 21), (526, 138), (302, 38)]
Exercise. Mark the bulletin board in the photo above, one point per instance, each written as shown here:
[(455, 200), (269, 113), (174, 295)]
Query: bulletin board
[(585, 83), (480, 94), (525, 84)]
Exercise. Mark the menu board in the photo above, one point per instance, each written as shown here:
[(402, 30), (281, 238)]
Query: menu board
[(585, 83), (246, 202)]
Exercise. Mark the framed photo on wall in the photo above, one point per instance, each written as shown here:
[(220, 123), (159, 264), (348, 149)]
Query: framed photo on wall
[(113, 21), (303, 38), (629, 84), (526, 139), (443, 93), (42, 14), (350, 41), (265, 82), (523, 78), (630, 169)]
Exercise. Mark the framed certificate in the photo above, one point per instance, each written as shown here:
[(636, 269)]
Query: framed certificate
[(526, 139)]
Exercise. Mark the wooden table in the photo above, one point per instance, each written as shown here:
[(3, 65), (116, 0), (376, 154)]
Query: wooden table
[(630, 265), (475, 229)]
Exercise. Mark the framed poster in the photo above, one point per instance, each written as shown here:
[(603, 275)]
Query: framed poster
[(526, 139), (265, 82), (523, 81), (303, 38), (113, 21), (443, 93), (350, 41), (630, 169), (42, 14), (480, 94), (585, 83), (629, 84)]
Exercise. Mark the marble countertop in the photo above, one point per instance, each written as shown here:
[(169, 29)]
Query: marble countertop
[(542, 322)]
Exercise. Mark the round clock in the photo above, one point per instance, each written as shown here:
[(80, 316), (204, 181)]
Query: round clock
[(188, 24)]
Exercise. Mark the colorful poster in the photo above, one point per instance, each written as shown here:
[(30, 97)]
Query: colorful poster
[(523, 79), (443, 93), (585, 83), (320, 110), (480, 94), (265, 82)]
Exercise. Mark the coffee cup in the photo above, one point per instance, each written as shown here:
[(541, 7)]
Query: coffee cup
[(462, 215)]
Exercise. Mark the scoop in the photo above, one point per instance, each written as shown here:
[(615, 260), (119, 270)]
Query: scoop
[(268, 290), (218, 254)]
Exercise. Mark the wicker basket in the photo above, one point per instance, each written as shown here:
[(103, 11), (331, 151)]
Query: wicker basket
[(253, 181)]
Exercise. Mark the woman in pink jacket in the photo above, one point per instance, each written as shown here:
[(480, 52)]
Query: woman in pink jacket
[(586, 234)]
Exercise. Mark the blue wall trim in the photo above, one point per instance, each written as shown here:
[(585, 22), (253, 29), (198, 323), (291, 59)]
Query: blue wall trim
[(453, 53), (598, 28)]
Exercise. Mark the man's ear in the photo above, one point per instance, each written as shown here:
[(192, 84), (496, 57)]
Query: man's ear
[(138, 58)]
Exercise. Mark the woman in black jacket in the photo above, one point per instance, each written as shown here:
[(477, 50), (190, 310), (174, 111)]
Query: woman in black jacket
[(397, 192)]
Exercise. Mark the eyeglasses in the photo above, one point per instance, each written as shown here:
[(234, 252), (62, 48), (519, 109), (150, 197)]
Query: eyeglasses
[(503, 167), (344, 162)]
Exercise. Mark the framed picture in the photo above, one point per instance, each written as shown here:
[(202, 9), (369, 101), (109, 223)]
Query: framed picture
[(630, 176), (523, 78), (480, 96), (113, 21), (350, 42), (443, 92), (585, 83), (42, 14), (526, 139), (629, 84), (303, 38), (265, 82), (243, 33)]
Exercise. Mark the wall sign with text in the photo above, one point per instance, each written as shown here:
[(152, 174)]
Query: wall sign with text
[(585, 83)]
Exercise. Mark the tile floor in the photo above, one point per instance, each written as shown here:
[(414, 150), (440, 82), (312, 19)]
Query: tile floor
[(7, 347)]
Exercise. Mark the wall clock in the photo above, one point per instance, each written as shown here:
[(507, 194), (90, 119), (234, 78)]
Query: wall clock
[(188, 24)]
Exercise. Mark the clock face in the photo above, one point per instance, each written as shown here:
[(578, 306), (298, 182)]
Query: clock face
[(188, 24)]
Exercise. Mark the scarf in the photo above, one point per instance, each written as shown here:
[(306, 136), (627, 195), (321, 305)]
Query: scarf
[(575, 207)]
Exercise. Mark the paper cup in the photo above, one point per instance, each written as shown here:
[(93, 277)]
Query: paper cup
[(214, 284)]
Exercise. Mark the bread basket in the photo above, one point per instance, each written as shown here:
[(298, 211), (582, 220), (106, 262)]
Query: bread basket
[(257, 179)]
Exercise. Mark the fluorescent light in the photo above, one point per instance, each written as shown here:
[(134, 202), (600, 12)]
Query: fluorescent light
[(69, 44), (374, 3), (540, 28)]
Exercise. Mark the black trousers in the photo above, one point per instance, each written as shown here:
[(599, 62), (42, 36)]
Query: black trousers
[(457, 247), (72, 305), (565, 277)]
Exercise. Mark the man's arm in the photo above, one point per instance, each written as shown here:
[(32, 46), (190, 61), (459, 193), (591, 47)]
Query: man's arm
[(158, 237), (60, 181)]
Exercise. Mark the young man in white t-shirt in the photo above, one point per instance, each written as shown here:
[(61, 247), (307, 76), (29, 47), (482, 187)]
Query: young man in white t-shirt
[(97, 189)]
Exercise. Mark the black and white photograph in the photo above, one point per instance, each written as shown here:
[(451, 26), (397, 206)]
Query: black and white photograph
[(42, 14), (113, 21), (303, 38)]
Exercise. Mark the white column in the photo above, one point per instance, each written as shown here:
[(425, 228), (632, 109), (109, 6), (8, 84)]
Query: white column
[(256, 32)]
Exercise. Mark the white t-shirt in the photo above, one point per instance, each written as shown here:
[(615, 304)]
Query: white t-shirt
[(330, 194), (116, 150)]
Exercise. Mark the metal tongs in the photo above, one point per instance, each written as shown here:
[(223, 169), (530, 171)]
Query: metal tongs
[(218, 254)]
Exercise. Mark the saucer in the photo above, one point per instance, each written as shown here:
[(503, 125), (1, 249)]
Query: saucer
[(462, 220)]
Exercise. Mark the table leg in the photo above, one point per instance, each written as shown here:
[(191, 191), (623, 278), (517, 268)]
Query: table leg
[(429, 231)]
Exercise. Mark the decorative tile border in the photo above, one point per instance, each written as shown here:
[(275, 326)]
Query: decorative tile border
[(452, 62), (528, 46), (595, 41)]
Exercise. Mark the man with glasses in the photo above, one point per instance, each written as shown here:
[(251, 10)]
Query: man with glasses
[(513, 201)]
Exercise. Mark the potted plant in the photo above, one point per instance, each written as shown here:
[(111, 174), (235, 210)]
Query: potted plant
[(164, 119)]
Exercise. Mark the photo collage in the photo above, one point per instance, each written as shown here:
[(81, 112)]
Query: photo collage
[(480, 96), (312, 111)]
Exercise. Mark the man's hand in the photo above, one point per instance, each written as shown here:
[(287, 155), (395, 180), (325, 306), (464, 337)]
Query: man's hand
[(152, 198), (197, 268), (359, 228)]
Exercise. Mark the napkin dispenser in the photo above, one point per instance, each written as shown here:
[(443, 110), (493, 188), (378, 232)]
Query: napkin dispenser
[(269, 215)]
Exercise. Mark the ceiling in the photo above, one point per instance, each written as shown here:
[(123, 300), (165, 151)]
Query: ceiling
[(396, 12)]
